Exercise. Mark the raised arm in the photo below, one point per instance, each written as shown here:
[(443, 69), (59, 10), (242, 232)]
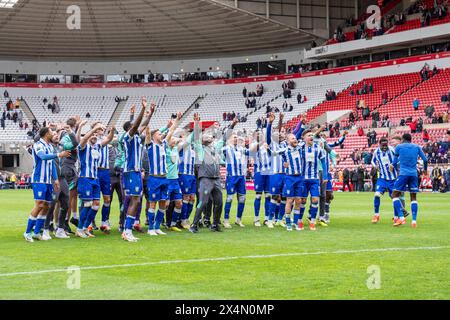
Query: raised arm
[(280, 121), (148, 116), (138, 120), (88, 135), (339, 141), (110, 136), (174, 126), (80, 127), (270, 120), (229, 131)]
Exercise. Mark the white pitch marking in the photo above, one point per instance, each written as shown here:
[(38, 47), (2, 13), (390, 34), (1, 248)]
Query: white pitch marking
[(276, 255)]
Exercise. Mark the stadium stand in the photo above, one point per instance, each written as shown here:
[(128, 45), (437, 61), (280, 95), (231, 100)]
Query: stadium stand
[(393, 84), (428, 93), (99, 108)]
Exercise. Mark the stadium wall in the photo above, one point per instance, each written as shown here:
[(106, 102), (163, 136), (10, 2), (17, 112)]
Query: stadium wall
[(336, 75)]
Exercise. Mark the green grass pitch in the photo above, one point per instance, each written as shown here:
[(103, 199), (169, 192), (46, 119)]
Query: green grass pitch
[(241, 263)]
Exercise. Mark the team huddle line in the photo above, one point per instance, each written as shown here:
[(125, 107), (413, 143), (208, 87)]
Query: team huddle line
[(174, 169)]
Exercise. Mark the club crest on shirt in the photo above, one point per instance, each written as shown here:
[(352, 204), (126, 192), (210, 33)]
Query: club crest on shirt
[(40, 193)]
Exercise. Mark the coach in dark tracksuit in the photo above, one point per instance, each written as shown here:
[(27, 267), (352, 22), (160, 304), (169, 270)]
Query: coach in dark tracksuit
[(209, 155), (114, 173), (60, 196)]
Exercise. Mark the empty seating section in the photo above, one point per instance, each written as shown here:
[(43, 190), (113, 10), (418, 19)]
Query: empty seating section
[(100, 108), (166, 106), (171, 105), (136, 101), (429, 93)]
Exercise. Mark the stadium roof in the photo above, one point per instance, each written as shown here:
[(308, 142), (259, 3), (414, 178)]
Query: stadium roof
[(137, 29)]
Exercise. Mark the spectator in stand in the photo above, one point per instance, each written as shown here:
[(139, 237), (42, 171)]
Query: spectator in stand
[(416, 104), (413, 126), (436, 177), (435, 70), (354, 179), (351, 117), (360, 131), (429, 110), (244, 92), (425, 136), (384, 96), (365, 112), (374, 177), (224, 116), (2, 123), (299, 98), (346, 180), (361, 173), (419, 125)]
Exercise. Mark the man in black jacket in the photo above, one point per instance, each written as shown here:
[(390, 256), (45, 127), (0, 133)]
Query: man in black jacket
[(346, 180)]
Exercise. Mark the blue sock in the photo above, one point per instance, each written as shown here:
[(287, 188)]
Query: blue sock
[(39, 224), (240, 209), (175, 215), (302, 211), (288, 219), (397, 207), (151, 218), (282, 210), (83, 217), (105, 212), (129, 222), (184, 210), (376, 204), (159, 219), (90, 217), (313, 211), (227, 209), (275, 207), (414, 210), (31, 223), (296, 216), (257, 205), (267, 207)]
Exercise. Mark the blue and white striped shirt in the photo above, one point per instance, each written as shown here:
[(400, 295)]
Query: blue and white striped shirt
[(157, 158), (187, 160), (236, 160), (277, 159), (293, 156), (89, 159), (133, 148), (382, 159), (103, 162), (43, 156), (312, 156), (263, 161)]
